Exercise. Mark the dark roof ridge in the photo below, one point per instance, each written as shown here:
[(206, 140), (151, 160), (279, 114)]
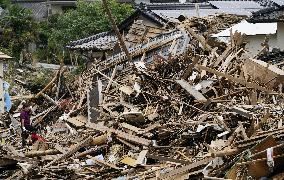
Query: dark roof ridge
[(271, 14), (126, 23), (87, 39), (267, 10)]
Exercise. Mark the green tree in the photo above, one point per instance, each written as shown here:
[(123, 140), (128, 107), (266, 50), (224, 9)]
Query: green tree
[(87, 19), (4, 3), (18, 30)]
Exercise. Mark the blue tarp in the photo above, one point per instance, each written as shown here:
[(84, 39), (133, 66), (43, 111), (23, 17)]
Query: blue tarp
[(7, 98)]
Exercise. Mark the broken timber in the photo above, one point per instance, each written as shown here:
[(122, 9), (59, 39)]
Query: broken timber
[(71, 151), (121, 134), (237, 80)]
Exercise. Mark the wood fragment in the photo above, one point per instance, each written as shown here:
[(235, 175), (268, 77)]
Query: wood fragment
[(190, 89), (70, 151)]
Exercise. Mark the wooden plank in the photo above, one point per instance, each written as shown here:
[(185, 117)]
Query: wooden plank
[(160, 158), (51, 83), (14, 151), (111, 79), (60, 148), (42, 153), (185, 169), (151, 127), (104, 163), (141, 156), (78, 121), (135, 129), (120, 134), (136, 148), (264, 72), (70, 151), (190, 89), (200, 38), (223, 56), (129, 161), (242, 112), (237, 80)]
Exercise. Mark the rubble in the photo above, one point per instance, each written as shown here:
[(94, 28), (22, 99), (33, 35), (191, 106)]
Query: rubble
[(181, 108)]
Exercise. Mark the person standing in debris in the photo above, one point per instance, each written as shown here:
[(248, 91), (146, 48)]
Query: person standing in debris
[(25, 122)]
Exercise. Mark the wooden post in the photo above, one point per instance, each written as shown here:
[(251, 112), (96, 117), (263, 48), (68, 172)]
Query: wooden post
[(2, 110), (115, 28)]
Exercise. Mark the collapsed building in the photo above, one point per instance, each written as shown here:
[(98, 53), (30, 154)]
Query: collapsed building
[(176, 105)]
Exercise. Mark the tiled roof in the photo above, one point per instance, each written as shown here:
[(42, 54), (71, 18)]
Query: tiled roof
[(279, 2), (107, 40), (161, 21), (101, 41), (273, 14)]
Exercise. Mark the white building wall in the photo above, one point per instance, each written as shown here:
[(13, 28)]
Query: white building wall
[(254, 43)]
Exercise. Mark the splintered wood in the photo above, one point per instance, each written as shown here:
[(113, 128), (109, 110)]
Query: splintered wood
[(180, 109)]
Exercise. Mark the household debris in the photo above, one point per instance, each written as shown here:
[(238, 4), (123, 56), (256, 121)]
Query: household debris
[(182, 107)]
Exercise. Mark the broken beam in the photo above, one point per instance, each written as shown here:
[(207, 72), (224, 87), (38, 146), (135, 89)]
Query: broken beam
[(237, 80)]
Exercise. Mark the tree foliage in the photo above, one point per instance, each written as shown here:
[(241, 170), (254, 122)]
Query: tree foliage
[(87, 19), (18, 30), (4, 3)]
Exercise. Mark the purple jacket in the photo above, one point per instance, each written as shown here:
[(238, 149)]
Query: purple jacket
[(26, 117)]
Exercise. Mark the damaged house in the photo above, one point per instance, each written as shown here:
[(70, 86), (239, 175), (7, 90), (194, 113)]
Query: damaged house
[(263, 30), (256, 33), (137, 28), (272, 15), (147, 36), (162, 101)]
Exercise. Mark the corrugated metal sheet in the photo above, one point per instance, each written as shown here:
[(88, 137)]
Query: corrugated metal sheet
[(249, 29)]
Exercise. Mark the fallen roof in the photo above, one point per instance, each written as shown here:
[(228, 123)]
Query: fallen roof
[(144, 12), (273, 14), (249, 29), (107, 40), (101, 41)]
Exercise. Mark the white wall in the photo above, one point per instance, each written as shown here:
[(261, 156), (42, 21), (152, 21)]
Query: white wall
[(280, 35), (254, 43)]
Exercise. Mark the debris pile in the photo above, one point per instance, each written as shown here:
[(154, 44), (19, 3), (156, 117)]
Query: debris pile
[(205, 112)]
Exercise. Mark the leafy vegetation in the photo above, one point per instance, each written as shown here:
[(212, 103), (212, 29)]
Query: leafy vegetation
[(18, 30), (4, 3), (51, 36), (87, 19)]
